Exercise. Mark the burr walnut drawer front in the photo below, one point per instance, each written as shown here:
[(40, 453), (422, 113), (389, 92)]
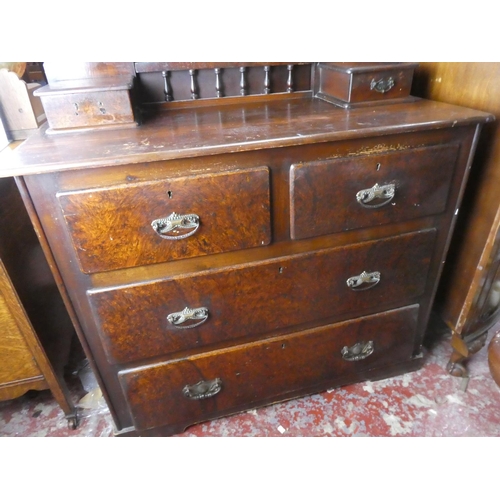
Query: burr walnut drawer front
[(177, 314), (175, 218), (204, 386), (360, 191)]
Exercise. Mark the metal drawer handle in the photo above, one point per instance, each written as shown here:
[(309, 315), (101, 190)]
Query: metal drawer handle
[(174, 224), (383, 85), (386, 193), (203, 389), (200, 314), (358, 351), (364, 280)]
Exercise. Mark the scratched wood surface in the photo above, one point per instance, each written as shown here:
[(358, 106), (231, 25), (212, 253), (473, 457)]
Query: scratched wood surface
[(261, 370), (122, 311), (225, 129), (323, 194), (261, 298), (111, 227)]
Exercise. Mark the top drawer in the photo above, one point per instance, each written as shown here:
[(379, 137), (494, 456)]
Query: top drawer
[(360, 191), (175, 218), (351, 84)]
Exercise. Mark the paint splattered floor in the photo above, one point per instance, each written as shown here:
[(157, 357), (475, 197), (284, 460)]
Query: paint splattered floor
[(428, 402)]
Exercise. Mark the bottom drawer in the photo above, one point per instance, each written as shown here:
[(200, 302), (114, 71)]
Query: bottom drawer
[(217, 383)]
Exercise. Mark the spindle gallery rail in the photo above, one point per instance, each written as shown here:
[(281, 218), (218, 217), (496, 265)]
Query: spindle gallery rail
[(167, 82)]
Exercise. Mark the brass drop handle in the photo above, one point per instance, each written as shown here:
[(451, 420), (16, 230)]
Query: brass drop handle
[(177, 319), (203, 389), (383, 85), (363, 281), (175, 225), (358, 351), (385, 193)]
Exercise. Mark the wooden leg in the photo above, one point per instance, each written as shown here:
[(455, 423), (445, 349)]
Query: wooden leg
[(463, 348), (494, 358)]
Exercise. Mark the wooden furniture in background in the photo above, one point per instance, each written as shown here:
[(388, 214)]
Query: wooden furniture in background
[(35, 330), (22, 112), (34, 73), (468, 299), (249, 242)]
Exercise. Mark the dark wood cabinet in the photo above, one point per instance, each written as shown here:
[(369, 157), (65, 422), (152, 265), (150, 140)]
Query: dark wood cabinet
[(237, 251)]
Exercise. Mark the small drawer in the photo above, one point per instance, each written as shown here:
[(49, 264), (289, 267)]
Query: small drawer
[(176, 218), (360, 191), (354, 84), (208, 385), (87, 109), (178, 314)]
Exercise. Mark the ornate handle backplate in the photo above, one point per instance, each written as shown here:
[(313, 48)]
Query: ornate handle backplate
[(364, 281), (175, 225), (383, 85), (358, 351), (203, 389), (385, 193), (199, 315)]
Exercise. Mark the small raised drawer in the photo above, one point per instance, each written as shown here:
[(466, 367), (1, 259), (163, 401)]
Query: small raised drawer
[(205, 386), (353, 192), (70, 107), (178, 314), (169, 219), (356, 84)]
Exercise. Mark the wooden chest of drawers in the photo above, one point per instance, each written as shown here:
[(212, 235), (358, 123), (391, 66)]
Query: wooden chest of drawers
[(223, 257)]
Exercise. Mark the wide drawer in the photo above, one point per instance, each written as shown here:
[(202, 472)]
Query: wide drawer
[(146, 320), (175, 218), (360, 191), (208, 385)]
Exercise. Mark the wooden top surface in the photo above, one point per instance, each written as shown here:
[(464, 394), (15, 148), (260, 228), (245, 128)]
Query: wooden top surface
[(191, 132)]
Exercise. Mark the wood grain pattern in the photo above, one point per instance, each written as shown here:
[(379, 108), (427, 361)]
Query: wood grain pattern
[(261, 370), (323, 194), (228, 129), (16, 360), (351, 83), (111, 227), (263, 299), (260, 298), (89, 109), (474, 254), (76, 70)]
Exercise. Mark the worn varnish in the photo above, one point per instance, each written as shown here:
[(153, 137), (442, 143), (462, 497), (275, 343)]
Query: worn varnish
[(323, 195), (232, 211), (259, 371), (289, 270), (233, 128), (260, 298)]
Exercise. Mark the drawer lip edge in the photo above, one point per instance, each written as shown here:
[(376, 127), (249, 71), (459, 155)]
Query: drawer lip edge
[(279, 338)]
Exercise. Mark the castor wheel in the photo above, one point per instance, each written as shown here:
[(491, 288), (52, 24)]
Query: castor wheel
[(72, 421)]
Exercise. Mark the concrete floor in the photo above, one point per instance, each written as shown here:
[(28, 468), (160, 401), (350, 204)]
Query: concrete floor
[(428, 402)]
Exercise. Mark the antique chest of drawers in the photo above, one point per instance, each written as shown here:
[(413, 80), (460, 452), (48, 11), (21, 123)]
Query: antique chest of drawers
[(238, 253)]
